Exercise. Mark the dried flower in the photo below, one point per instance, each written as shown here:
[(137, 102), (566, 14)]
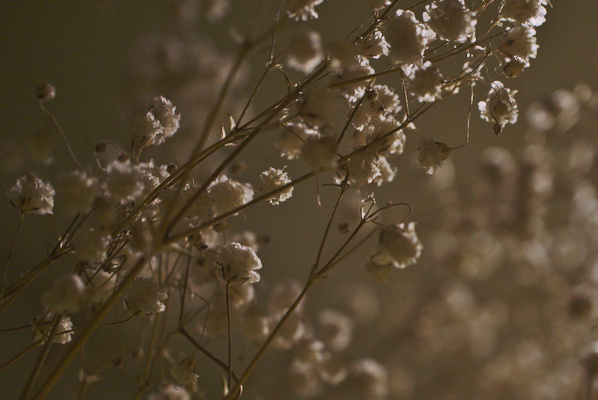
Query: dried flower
[(145, 297), (500, 106), (398, 245), (66, 294), (272, 179), (431, 154), (31, 194), (305, 51), (238, 264)]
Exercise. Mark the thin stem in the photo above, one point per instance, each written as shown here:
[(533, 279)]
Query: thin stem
[(206, 352), (42, 358), (86, 334), (20, 354), (230, 346), (68, 144), (343, 188), (12, 245)]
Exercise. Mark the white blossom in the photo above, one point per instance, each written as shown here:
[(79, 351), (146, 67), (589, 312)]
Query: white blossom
[(302, 9), (184, 372), (123, 181), (529, 12), (407, 37), (520, 42), (398, 245), (31, 194), (319, 153), (292, 139), (66, 294), (431, 154), (499, 107), (42, 326), (451, 20), (272, 179), (322, 107), (238, 263), (165, 113), (373, 45), (336, 329), (145, 297), (304, 51), (45, 92), (228, 194), (144, 130), (425, 82), (77, 192)]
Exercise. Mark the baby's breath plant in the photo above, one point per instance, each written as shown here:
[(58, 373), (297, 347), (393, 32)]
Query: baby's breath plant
[(162, 285)]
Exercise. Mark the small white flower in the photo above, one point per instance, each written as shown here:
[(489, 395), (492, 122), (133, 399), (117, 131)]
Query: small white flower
[(272, 179), (123, 181), (228, 194), (451, 20), (238, 263), (431, 154), (337, 329), (500, 106), (145, 297), (399, 246), (322, 107), (520, 41), (31, 194), (77, 192), (43, 324), (304, 51), (65, 295), (527, 12), (292, 139), (91, 244), (302, 9), (407, 37), (373, 45), (184, 372), (165, 114), (144, 130), (425, 83)]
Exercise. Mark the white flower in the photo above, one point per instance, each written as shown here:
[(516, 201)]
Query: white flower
[(304, 51), (144, 130), (366, 379), (91, 244), (302, 9), (337, 329), (520, 41), (373, 45), (399, 246), (228, 194), (431, 154), (77, 192), (407, 37), (322, 107), (500, 107), (514, 67), (184, 372), (238, 263), (272, 179), (65, 295), (123, 181), (165, 114), (43, 324), (292, 139), (31, 194), (530, 12), (451, 20), (355, 90), (145, 297), (425, 82)]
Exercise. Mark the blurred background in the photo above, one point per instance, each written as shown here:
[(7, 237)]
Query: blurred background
[(98, 56)]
